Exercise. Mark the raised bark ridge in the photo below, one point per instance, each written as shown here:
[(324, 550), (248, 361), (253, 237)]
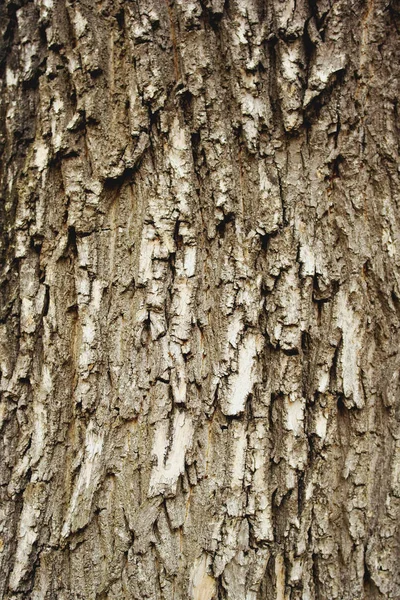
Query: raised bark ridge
[(200, 300)]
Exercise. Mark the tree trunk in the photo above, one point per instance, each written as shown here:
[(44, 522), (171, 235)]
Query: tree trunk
[(200, 301)]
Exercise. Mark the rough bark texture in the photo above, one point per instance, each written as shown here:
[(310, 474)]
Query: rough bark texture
[(200, 301)]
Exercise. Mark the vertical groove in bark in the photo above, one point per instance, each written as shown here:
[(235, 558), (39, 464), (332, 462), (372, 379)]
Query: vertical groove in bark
[(199, 300)]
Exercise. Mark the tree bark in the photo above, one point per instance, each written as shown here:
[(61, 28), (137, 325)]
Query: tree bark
[(200, 300)]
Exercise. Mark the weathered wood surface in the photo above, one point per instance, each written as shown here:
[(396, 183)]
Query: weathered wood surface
[(200, 300)]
